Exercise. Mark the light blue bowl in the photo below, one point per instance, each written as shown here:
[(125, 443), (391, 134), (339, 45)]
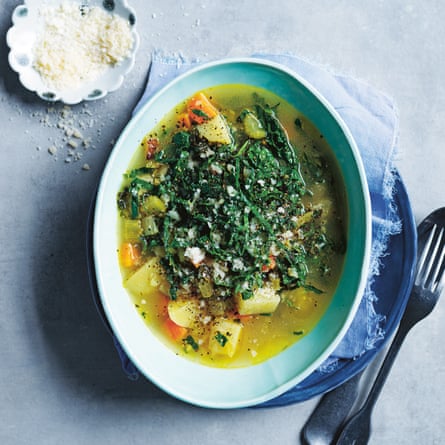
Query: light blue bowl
[(232, 388)]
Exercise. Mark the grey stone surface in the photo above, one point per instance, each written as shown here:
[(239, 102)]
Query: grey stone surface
[(60, 378)]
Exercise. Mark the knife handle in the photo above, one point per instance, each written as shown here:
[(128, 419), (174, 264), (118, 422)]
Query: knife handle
[(323, 426)]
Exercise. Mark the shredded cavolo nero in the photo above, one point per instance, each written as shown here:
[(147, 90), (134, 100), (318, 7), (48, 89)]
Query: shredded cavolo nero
[(221, 203)]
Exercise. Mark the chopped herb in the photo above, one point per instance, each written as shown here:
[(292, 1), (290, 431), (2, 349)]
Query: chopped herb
[(221, 339), (313, 289), (200, 113), (182, 139), (256, 192), (139, 171), (189, 340)]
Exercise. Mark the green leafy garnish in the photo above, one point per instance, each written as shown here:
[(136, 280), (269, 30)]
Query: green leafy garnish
[(199, 113), (221, 339), (189, 340), (233, 204)]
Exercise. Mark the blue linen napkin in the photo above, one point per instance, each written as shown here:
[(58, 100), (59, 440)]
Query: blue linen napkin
[(372, 119)]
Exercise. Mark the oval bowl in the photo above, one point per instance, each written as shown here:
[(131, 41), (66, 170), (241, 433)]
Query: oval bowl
[(22, 36), (189, 381)]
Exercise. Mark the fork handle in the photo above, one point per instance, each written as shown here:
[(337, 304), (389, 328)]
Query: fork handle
[(357, 429), (324, 423), (386, 366)]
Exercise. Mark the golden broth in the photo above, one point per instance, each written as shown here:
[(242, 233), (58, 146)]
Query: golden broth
[(213, 329)]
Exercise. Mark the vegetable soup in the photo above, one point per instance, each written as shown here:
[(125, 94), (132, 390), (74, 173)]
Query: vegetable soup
[(232, 226)]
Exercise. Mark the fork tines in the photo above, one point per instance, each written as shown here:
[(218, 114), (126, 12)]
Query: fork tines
[(430, 269)]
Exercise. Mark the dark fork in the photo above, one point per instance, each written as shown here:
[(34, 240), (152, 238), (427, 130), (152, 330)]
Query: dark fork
[(428, 285)]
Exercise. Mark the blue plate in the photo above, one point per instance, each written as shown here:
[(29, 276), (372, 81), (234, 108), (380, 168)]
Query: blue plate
[(392, 288)]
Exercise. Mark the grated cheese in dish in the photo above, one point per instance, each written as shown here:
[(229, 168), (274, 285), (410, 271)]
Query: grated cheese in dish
[(78, 44)]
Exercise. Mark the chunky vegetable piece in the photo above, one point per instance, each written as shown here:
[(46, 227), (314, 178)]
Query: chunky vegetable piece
[(225, 337), (130, 254), (263, 301), (215, 130), (145, 279), (175, 331), (233, 212), (200, 109), (183, 312)]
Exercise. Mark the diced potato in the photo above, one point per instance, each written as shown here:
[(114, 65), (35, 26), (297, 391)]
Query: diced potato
[(183, 312), (146, 279), (225, 337), (215, 130), (131, 230), (154, 205), (263, 301), (301, 299)]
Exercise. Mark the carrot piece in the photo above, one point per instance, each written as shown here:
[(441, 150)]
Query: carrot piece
[(175, 331), (270, 266), (184, 121), (130, 254), (163, 304), (150, 147), (200, 109)]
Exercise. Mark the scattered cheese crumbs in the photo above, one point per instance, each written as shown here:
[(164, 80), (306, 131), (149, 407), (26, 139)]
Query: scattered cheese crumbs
[(238, 264), (77, 134), (195, 254), (78, 44), (207, 319), (67, 140)]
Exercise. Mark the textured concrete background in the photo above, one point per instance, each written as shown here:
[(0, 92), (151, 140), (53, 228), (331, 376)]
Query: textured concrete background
[(60, 378)]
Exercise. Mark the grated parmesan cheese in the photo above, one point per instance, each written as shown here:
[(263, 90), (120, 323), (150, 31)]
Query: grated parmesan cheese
[(195, 254), (78, 44)]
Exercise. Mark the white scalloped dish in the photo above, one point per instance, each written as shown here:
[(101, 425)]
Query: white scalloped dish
[(24, 38)]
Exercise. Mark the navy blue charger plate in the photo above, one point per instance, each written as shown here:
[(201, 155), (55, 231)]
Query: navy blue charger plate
[(392, 287)]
